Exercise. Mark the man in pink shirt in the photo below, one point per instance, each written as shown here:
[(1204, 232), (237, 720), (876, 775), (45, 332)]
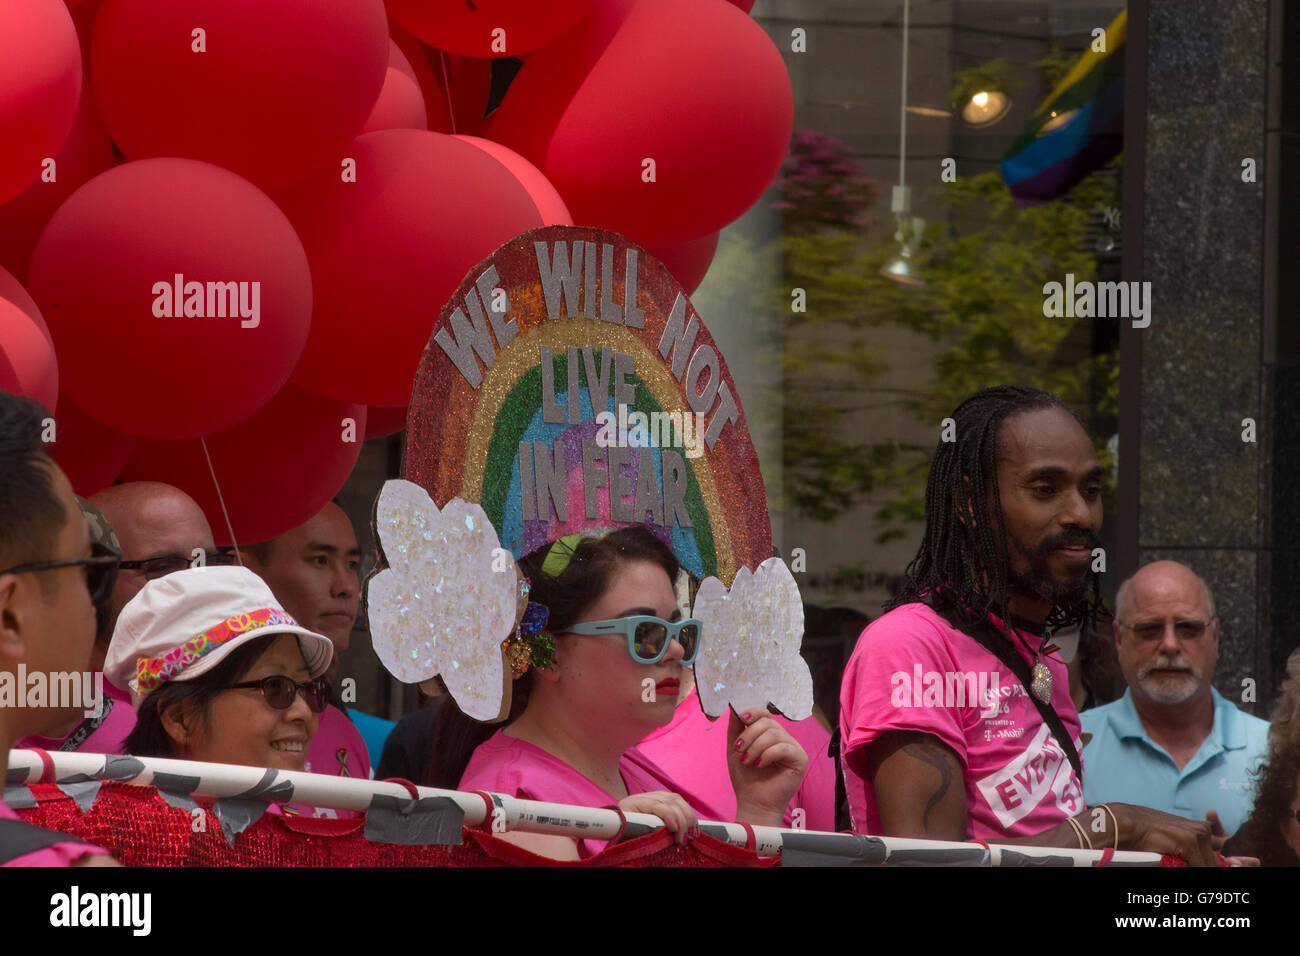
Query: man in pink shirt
[(692, 750), (50, 581), (313, 572), (956, 725)]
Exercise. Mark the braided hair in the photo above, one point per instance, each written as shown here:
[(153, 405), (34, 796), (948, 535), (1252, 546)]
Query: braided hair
[(962, 566)]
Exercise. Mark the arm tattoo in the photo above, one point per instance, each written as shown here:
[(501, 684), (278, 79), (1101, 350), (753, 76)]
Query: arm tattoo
[(920, 746)]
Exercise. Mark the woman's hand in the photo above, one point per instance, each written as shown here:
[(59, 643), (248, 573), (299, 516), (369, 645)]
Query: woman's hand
[(678, 817), (766, 765)]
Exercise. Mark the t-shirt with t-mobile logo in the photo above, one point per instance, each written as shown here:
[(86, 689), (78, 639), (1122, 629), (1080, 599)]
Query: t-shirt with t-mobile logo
[(912, 670)]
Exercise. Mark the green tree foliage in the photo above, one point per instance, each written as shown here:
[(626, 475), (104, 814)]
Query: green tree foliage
[(982, 304)]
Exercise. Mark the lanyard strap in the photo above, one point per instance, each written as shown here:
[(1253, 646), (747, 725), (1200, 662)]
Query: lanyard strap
[(996, 643), (87, 727)]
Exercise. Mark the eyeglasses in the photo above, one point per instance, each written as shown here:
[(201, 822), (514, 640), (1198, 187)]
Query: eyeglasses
[(101, 571), (647, 637), (280, 691), (166, 564), (1183, 630)]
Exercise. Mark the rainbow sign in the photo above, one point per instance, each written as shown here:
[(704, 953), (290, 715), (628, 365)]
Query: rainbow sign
[(569, 386)]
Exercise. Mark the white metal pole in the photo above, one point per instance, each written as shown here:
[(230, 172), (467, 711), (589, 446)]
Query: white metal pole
[(531, 816)]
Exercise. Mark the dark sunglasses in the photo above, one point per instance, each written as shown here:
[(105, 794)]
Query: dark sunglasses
[(280, 691), (166, 564), (101, 571), (647, 637)]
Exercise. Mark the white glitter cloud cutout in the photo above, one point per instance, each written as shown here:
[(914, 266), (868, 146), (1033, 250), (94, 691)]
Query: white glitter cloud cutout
[(750, 653), (439, 607)]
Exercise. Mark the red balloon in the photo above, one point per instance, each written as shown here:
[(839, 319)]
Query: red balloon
[(85, 154), (435, 100), (83, 18), (275, 469), (12, 289), (471, 29), (388, 250), (470, 80), (397, 60), (29, 355), (40, 81), (400, 105), (280, 86), (105, 274), (745, 5), (8, 377), (382, 420), (548, 202), (688, 261), (90, 453), (694, 86)]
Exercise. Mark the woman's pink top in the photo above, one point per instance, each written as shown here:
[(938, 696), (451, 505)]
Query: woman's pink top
[(514, 767), (693, 749)]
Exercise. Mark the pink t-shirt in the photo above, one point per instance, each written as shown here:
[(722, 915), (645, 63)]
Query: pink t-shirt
[(60, 854), (338, 748), (911, 670), (693, 750), (514, 767), (90, 737)]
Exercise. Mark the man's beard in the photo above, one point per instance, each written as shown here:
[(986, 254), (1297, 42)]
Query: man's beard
[(1170, 689), (1070, 598)]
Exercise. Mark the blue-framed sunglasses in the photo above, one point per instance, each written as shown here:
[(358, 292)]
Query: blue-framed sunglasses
[(647, 637)]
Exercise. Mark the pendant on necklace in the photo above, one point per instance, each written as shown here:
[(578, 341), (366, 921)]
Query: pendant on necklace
[(1041, 685)]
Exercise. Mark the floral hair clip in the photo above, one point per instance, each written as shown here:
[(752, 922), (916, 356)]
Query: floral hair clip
[(530, 645)]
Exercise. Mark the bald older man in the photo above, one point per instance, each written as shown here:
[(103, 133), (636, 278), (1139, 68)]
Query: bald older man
[(1172, 742), (159, 529)]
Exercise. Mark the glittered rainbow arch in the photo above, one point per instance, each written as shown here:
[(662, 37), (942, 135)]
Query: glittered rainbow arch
[(479, 426)]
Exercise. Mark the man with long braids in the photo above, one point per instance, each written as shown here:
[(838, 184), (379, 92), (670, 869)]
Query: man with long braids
[(956, 715)]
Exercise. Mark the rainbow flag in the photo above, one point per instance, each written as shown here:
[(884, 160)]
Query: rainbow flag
[(1044, 165)]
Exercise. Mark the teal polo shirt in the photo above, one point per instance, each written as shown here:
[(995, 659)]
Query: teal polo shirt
[(1121, 764)]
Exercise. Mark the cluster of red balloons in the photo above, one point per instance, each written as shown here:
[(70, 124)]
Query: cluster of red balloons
[(228, 226)]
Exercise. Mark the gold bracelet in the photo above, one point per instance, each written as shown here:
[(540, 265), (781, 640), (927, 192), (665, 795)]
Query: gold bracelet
[(1115, 822), (1079, 832)]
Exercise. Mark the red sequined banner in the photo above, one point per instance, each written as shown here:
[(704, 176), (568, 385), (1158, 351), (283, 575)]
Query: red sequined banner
[(140, 829)]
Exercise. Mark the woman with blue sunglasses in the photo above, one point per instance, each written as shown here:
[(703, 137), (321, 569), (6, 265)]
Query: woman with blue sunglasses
[(619, 647)]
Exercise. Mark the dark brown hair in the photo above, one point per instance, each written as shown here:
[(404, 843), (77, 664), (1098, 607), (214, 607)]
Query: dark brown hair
[(578, 586), (31, 515)]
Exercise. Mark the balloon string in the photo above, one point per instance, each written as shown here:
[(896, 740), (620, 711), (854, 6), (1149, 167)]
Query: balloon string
[(220, 498), (446, 90)]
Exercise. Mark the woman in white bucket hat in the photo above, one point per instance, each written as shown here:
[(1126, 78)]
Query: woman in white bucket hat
[(218, 671)]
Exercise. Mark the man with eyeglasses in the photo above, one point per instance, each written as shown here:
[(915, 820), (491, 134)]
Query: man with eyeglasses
[(158, 530), (50, 580), (162, 530), (104, 730), (1172, 742)]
